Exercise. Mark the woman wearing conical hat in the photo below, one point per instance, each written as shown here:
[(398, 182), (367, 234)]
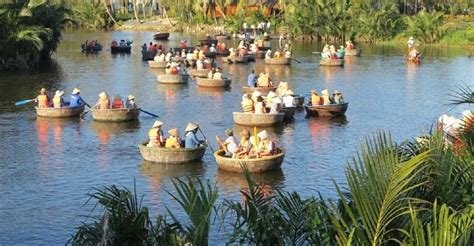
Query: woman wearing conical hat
[(173, 141), (155, 134), (337, 97), (58, 100), (191, 141), (104, 101)]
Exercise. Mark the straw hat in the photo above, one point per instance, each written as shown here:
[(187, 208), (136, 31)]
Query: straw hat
[(245, 133), (174, 132), (271, 94), (325, 92), (157, 124), (43, 90), (337, 92), (229, 132), (314, 92), (289, 92), (256, 94), (131, 97), (191, 127), (117, 97), (263, 135), (103, 95), (76, 91)]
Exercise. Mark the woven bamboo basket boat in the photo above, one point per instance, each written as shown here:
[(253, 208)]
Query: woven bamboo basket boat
[(251, 119), (298, 100), (278, 61), (161, 36), (59, 112), (173, 78), (238, 59), (289, 112), (332, 110), (120, 49), (353, 52), (157, 64), (91, 49), (200, 73), (116, 114), (331, 63), (260, 165), (263, 90), (171, 155), (205, 82)]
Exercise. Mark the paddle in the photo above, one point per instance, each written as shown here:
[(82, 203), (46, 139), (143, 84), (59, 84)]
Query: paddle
[(296, 60), (84, 113), (20, 103), (89, 106), (207, 141), (146, 112)]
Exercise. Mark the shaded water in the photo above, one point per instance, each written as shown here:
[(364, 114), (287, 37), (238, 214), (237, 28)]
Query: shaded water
[(49, 165)]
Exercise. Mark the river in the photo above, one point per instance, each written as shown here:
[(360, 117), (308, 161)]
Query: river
[(49, 165)]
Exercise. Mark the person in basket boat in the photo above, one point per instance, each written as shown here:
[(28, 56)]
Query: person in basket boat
[(288, 99), (229, 145), (104, 101), (266, 147), (58, 100), (76, 99), (155, 135), (117, 102), (264, 80), (191, 141), (245, 146), (218, 74), (130, 103), (247, 104), (337, 97), (315, 98), (173, 141), (43, 99)]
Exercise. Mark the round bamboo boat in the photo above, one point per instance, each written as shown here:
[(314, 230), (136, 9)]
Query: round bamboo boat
[(120, 49), (333, 63), (263, 90), (205, 82), (222, 36), (59, 112), (157, 64), (200, 73), (116, 114), (171, 155), (91, 49), (251, 119), (173, 78), (260, 165), (289, 112), (353, 52), (278, 61), (298, 100), (238, 59), (161, 36), (331, 110)]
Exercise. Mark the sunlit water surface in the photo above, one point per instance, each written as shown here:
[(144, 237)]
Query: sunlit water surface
[(48, 165)]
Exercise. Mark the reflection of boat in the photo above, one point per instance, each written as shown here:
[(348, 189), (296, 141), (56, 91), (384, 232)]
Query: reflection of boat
[(171, 155), (116, 114), (205, 82), (201, 73), (91, 49), (59, 112), (157, 64), (121, 49), (173, 78), (263, 90), (330, 110), (115, 127), (353, 52), (289, 112), (161, 36), (167, 171), (329, 62), (278, 61), (257, 165), (252, 119), (232, 181)]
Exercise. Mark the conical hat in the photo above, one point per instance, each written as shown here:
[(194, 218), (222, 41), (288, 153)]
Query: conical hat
[(59, 93), (271, 94), (337, 92), (157, 124), (174, 132), (191, 126), (76, 91), (325, 92), (263, 135), (131, 97), (289, 92), (103, 95), (43, 90), (256, 94), (283, 85)]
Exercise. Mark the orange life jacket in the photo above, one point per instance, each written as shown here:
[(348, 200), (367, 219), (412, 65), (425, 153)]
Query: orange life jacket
[(172, 142), (117, 104), (43, 101), (174, 70)]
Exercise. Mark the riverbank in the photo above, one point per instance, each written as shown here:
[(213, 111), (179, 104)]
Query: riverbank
[(170, 25)]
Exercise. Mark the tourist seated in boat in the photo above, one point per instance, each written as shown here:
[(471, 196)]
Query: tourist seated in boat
[(155, 135), (325, 97), (144, 48), (173, 141), (266, 147), (260, 106), (58, 101), (213, 48), (189, 55), (117, 102), (159, 57), (151, 47), (183, 53), (229, 145), (245, 146), (191, 141), (130, 103), (210, 75), (183, 44), (232, 53), (114, 43), (195, 54), (104, 101), (43, 99), (76, 99), (337, 97), (277, 54), (243, 52), (218, 74), (270, 96), (350, 46), (341, 52), (201, 54), (264, 80), (315, 98), (288, 99), (251, 79), (253, 48), (282, 88), (275, 105), (199, 64), (333, 53), (287, 54), (168, 56), (205, 48), (325, 51), (268, 54), (247, 104)]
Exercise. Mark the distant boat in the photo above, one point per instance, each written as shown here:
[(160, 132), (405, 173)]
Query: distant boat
[(331, 110), (161, 36)]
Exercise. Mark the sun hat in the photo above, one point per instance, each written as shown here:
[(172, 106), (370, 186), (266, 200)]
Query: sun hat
[(337, 92), (325, 92), (271, 94), (191, 126), (103, 95), (43, 90), (245, 133), (174, 132), (157, 124), (313, 92), (131, 97), (263, 135), (229, 132), (76, 91)]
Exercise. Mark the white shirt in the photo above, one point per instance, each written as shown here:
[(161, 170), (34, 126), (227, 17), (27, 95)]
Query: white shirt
[(231, 144), (288, 54), (189, 56), (199, 65), (212, 49), (288, 101)]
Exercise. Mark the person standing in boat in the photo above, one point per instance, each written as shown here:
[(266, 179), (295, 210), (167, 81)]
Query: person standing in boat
[(155, 135), (191, 141), (76, 99), (229, 145), (58, 101), (337, 97), (130, 103), (173, 141), (43, 99), (251, 79), (104, 101)]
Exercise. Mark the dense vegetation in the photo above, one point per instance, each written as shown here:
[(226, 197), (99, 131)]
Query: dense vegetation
[(30, 31), (415, 193)]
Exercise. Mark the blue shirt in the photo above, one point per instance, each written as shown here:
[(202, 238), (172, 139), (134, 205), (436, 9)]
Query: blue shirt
[(76, 100), (191, 141), (251, 80)]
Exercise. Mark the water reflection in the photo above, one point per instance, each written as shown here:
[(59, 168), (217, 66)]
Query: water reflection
[(320, 128), (231, 183)]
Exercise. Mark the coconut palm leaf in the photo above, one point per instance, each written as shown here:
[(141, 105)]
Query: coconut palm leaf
[(462, 95)]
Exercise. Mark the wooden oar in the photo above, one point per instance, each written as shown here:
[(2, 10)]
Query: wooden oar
[(20, 103), (146, 112), (89, 106), (207, 141), (296, 60), (84, 113)]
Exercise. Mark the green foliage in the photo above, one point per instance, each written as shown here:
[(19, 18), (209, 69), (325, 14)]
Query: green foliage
[(90, 15), (426, 26)]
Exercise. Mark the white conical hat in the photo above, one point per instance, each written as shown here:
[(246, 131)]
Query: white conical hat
[(157, 124), (271, 94), (59, 93), (256, 94), (325, 92), (131, 97), (263, 135), (103, 95), (174, 132), (191, 126), (75, 91)]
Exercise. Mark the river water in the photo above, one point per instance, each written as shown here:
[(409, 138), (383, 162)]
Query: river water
[(49, 165)]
